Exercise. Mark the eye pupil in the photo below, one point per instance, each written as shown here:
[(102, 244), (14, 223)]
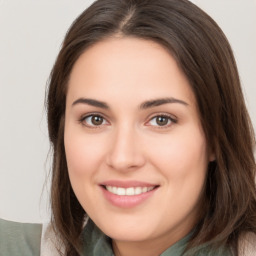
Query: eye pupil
[(161, 120), (97, 120)]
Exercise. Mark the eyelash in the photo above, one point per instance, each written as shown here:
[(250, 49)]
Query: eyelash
[(82, 120), (171, 121)]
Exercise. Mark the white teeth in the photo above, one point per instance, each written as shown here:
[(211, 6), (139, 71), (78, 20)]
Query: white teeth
[(144, 189), (138, 191), (120, 191), (128, 191)]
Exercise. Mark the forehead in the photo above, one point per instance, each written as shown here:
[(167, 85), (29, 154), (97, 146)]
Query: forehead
[(128, 67)]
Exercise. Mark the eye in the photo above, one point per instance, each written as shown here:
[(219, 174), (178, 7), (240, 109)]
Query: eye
[(161, 121), (93, 120)]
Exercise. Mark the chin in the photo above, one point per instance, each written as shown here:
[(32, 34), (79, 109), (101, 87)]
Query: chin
[(128, 231), (128, 236)]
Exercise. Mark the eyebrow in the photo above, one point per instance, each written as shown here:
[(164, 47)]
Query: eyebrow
[(144, 105), (159, 102), (91, 102)]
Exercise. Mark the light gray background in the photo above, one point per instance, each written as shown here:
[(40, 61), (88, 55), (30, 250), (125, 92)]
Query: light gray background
[(31, 33)]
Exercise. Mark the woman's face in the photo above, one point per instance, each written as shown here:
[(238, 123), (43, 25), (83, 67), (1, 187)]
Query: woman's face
[(136, 153)]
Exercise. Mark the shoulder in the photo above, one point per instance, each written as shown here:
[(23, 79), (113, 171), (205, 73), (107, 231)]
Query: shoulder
[(247, 244), (28, 239), (19, 238)]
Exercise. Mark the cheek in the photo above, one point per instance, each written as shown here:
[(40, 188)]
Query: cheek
[(183, 163), (182, 156), (83, 153)]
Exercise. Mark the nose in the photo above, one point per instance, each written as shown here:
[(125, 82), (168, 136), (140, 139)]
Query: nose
[(126, 150)]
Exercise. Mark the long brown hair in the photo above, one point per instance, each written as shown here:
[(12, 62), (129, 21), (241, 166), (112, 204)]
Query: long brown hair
[(205, 56)]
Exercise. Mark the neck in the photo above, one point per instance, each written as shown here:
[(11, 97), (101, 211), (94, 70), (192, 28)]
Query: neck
[(133, 249), (144, 248)]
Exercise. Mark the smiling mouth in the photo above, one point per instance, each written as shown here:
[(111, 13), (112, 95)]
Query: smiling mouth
[(131, 191)]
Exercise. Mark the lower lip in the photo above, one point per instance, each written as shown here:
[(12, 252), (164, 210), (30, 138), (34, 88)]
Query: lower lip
[(127, 201)]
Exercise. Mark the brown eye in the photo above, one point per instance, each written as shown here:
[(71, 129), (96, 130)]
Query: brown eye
[(162, 120), (97, 120), (93, 120)]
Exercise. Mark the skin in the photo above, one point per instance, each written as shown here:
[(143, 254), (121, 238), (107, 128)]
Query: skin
[(129, 143)]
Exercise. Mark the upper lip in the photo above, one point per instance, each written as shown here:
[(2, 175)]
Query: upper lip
[(127, 184)]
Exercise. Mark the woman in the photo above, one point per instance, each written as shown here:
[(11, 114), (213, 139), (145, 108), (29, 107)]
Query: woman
[(153, 145)]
